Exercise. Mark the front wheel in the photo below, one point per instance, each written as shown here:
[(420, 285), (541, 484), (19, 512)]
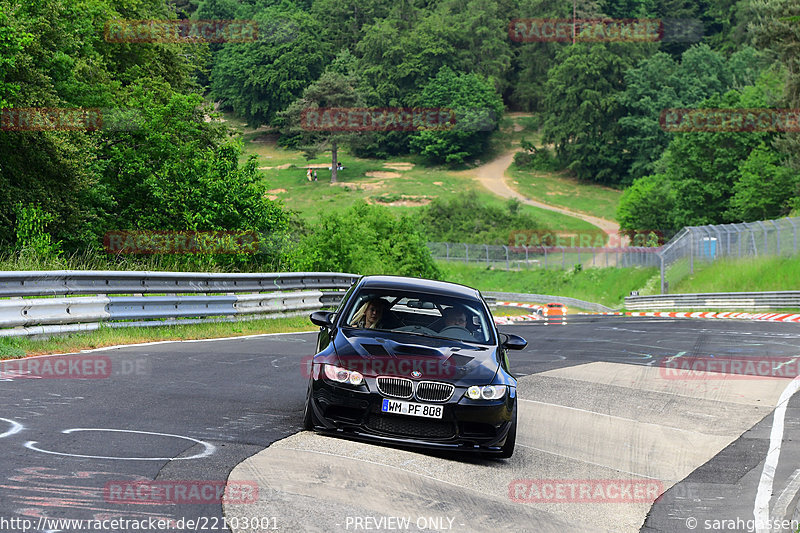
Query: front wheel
[(511, 439), (309, 419)]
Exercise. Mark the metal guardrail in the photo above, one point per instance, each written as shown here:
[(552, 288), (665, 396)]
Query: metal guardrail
[(717, 300), (119, 298), (65, 282), (545, 299)]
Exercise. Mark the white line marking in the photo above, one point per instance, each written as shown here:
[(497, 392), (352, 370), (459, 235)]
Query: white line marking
[(761, 508), (16, 427), (209, 448)]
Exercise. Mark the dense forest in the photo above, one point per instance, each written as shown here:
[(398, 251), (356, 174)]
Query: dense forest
[(171, 164)]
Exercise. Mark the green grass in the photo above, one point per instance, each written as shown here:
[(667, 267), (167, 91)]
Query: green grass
[(14, 347), (411, 186), (559, 189), (414, 187), (607, 286), (742, 275)]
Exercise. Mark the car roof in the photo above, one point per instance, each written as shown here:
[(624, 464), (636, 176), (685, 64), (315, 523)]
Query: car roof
[(419, 284)]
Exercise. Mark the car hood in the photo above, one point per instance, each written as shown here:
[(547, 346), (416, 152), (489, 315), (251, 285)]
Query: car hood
[(392, 353)]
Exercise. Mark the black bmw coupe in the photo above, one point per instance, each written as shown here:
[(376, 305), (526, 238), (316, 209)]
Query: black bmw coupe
[(415, 362)]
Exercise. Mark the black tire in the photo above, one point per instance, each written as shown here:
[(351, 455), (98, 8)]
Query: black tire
[(511, 439), (309, 419)]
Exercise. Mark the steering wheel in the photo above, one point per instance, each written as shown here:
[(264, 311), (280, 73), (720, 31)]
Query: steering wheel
[(417, 329), (457, 332)]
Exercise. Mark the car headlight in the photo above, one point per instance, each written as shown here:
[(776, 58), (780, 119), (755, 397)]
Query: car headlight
[(487, 392), (342, 375)]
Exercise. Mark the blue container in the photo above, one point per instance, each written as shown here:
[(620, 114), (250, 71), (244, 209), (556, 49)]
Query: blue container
[(710, 247)]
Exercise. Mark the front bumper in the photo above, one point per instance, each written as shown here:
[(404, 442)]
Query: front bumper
[(466, 425)]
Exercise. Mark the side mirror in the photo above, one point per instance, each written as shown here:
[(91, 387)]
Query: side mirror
[(514, 342), (322, 318)]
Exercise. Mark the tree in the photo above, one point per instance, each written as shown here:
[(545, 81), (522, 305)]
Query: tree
[(648, 205), (477, 109), (332, 90), (398, 56), (709, 177), (259, 79), (765, 187), (659, 83), (775, 25), (349, 19), (582, 109), (180, 171)]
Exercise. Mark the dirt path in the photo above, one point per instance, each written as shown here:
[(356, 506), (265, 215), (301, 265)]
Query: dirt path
[(492, 176)]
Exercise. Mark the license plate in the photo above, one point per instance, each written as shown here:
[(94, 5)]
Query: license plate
[(412, 409)]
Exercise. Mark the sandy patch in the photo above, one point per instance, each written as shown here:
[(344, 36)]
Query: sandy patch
[(382, 174), (279, 167), (438, 183), (554, 193), (276, 191), (404, 201), (267, 138), (365, 186), (400, 165)]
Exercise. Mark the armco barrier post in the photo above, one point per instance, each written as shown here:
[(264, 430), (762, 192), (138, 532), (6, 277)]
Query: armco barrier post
[(777, 238), (766, 241), (661, 257)]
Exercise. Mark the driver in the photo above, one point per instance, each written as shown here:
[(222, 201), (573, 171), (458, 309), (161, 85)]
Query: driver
[(454, 316)]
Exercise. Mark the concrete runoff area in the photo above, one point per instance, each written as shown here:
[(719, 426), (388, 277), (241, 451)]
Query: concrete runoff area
[(592, 422)]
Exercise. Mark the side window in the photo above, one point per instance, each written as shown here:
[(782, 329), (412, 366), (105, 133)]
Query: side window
[(345, 298)]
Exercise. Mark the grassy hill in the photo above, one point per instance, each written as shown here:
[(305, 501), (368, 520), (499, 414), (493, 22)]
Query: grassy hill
[(404, 184)]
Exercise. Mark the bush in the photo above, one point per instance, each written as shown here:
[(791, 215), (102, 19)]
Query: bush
[(536, 158), (467, 219), (366, 239), (32, 239)]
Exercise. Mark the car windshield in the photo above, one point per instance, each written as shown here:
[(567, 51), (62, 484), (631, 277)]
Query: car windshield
[(422, 314)]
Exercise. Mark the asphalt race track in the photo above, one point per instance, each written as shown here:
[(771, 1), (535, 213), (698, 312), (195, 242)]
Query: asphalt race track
[(597, 408)]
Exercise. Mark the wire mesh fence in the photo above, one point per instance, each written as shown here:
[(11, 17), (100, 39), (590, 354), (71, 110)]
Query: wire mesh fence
[(690, 247), (695, 246), (528, 257)]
